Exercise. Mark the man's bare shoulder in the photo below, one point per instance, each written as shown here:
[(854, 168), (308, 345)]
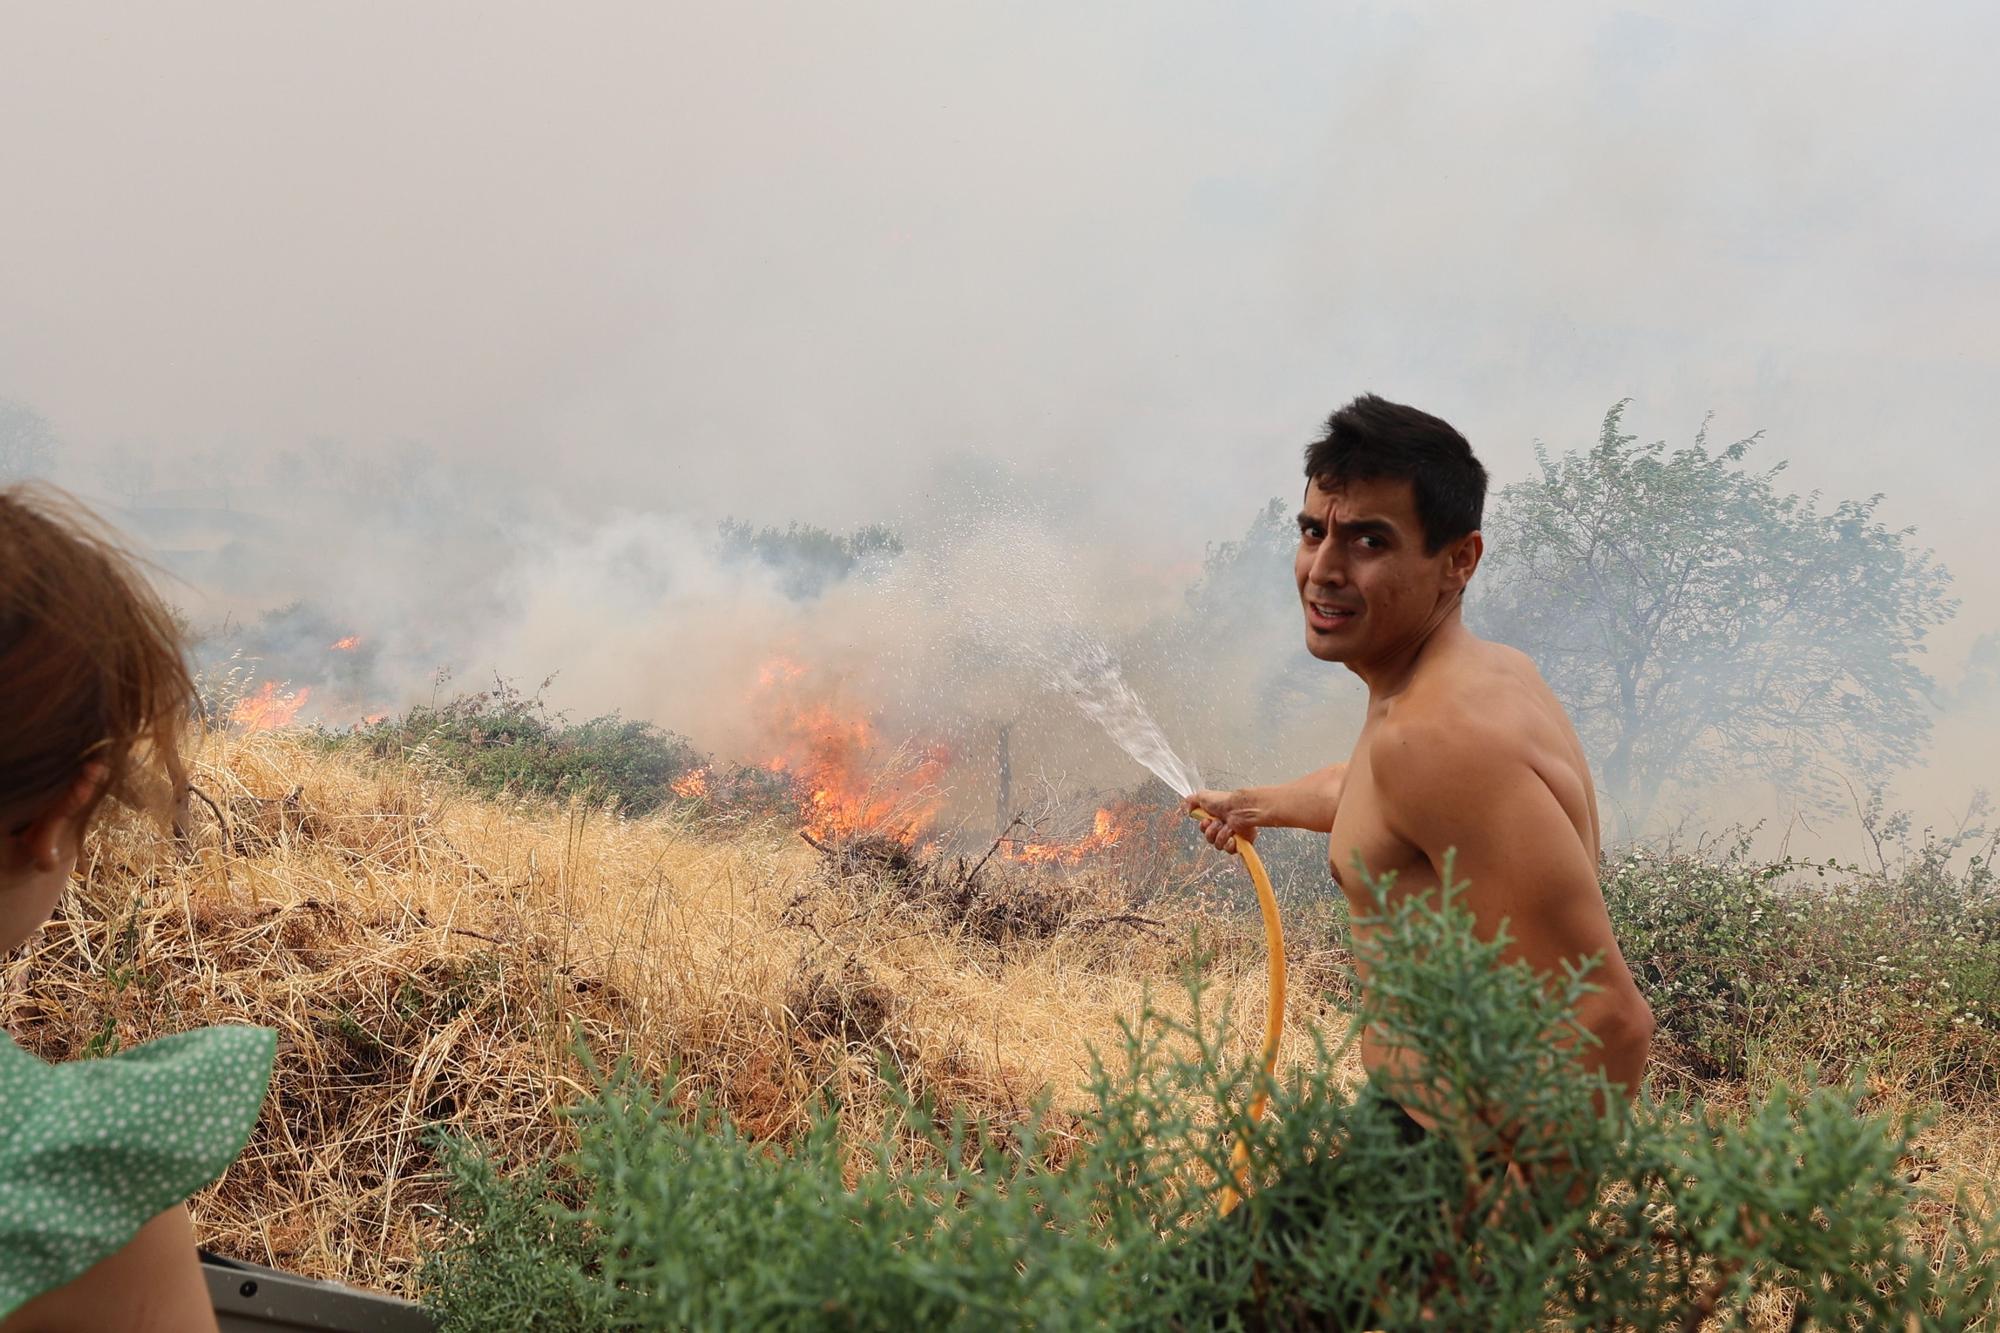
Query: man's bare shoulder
[(1472, 668), (1426, 740), (1464, 746), (1479, 689), (1481, 716)]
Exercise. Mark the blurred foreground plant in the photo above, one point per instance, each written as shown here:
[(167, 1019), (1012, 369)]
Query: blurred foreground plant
[(1660, 1218)]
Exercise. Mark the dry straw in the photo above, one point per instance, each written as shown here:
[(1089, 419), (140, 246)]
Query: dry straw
[(429, 958)]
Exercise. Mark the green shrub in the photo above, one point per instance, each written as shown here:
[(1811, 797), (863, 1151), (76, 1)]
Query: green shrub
[(501, 741), (1756, 970), (1655, 1219), (690, 1225), (523, 1257), (808, 560)]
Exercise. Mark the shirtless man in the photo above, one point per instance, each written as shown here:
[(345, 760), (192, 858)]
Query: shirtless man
[(1464, 745)]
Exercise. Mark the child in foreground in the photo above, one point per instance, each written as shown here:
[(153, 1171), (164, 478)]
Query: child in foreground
[(97, 1157)]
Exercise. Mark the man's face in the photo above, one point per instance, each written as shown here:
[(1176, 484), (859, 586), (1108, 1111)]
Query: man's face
[(1366, 585)]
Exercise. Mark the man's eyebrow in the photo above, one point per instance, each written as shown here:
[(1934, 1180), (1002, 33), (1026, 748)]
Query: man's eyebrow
[(1353, 526), (1366, 525)]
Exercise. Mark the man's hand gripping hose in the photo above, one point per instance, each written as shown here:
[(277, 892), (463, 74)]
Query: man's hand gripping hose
[(1274, 1014)]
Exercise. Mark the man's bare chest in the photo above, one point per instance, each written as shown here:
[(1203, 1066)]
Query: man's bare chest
[(1362, 839)]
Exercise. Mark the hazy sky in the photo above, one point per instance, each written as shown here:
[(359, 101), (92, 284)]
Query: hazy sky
[(739, 253), (817, 261)]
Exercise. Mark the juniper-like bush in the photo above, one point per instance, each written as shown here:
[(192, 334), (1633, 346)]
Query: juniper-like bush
[(1525, 1208), (503, 742)]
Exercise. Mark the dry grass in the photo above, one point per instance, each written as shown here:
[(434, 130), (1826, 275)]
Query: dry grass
[(430, 958), (1958, 1155)]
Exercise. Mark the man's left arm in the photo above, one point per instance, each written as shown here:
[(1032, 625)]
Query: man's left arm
[(1522, 862)]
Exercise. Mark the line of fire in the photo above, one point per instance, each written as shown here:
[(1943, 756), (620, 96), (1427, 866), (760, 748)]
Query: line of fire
[(846, 780)]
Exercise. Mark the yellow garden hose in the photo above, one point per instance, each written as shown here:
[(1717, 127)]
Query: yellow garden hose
[(1274, 1015)]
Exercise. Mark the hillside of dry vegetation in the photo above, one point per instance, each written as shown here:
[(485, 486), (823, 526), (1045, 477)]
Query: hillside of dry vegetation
[(432, 957)]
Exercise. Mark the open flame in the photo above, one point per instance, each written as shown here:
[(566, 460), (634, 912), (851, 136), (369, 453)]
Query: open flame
[(691, 785), (346, 645), (267, 709), (847, 782), (1105, 832), (779, 670)]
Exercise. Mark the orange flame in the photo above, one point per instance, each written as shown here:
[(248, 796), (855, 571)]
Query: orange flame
[(1105, 832), (346, 645), (267, 709), (779, 669), (845, 780), (691, 785)]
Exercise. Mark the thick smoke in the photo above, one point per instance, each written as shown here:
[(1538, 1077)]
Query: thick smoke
[(466, 338)]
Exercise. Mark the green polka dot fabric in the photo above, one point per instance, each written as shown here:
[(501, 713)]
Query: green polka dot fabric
[(91, 1150)]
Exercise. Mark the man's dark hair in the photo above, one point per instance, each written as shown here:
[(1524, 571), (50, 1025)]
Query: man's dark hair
[(1374, 438)]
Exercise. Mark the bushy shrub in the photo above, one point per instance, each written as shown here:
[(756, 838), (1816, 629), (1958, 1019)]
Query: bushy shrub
[(1758, 969), (501, 741), (808, 560), (524, 1257), (1656, 1219)]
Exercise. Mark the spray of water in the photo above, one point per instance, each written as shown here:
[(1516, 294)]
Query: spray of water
[(1032, 623), (1090, 676)]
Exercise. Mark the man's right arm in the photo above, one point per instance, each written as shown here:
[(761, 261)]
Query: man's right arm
[(1309, 802)]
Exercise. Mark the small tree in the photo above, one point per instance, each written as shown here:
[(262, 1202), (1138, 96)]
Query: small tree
[(808, 559), (1698, 622)]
